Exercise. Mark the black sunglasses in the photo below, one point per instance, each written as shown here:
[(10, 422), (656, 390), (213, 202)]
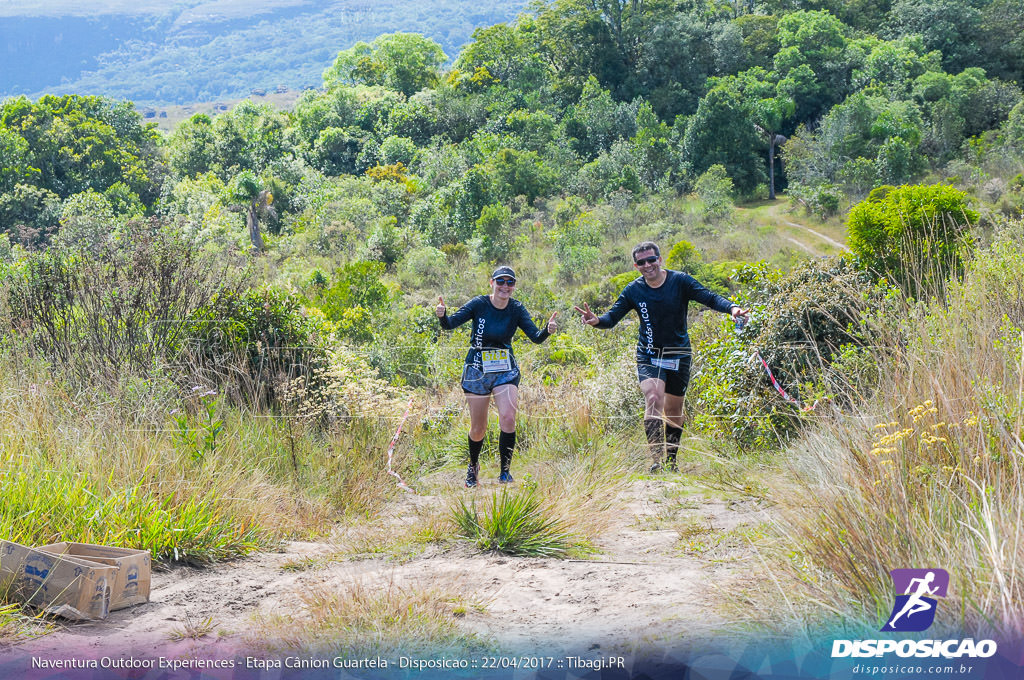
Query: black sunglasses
[(505, 282), (646, 260)]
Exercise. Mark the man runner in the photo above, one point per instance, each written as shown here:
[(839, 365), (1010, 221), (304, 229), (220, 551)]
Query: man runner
[(660, 298)]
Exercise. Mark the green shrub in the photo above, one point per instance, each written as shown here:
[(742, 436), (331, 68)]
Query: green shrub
[(577, 240), (715, 190), (102, 308), (494, 239), (914, 235), (683, 256), (403, 350), (423, 267), (252, 341), (801, 323), (385, 242), (604, 293), (824, 201), (397, 150), (357, 284), (568, 350)]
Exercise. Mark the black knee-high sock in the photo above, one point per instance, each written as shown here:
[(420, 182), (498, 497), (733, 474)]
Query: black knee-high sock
[(655, 430), (506, 443), (672, 436), (474, 451)]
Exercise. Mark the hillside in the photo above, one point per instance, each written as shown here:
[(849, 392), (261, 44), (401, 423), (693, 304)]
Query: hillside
[(203, 51), (247, 333)]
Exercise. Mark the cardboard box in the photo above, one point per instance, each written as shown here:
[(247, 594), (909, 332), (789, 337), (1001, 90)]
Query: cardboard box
[(67, 586), (131, 583)]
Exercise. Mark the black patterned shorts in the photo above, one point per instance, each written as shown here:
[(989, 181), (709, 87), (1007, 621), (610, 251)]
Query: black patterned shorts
[(475, 381)]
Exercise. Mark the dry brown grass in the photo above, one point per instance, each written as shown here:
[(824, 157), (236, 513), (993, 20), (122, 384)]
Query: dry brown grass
[(362, 619), (929, 472)]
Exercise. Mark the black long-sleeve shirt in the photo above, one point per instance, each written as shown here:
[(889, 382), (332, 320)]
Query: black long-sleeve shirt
[(662, 312), (493, 328)]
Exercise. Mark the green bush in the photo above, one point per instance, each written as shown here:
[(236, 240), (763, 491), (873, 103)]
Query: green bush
[(423, 267), (604, 293), (914, 235), (685, 257), (253, 341), (568, 350), (801, 323), (114, 305), (397, 150), (824, 200), (715, 190), (577, 240), (494, 239), (357, 284)]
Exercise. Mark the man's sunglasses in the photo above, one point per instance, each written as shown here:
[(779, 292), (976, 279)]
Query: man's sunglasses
[(505, 282), (646, 260)]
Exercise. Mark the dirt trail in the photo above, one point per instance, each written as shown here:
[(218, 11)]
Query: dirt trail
[(774, 212), (642, 589), (823, 237)]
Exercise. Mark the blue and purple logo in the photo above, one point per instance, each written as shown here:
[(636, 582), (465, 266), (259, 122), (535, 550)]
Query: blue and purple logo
[(915, 603)]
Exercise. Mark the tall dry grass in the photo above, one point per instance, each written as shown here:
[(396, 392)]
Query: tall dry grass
[(120, 465), (928, 471)]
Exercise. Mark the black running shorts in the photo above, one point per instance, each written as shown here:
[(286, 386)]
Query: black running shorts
[(673, 370)]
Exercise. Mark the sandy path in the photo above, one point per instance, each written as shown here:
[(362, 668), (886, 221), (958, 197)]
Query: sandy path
[(823, 237), (640, 590)]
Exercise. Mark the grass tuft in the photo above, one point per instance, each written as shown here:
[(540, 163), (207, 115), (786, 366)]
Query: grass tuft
[(192, 629), (513, 523)]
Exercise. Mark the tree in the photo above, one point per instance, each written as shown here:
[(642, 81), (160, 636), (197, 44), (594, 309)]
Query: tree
[(493, 237), (654, 149), (656, 49), (247, 194), (193, 147), (715, 191), (817, 42), (722, 132), (511, 54), (317, 111), (250, 137), (953, 27), (404, 62), (866, 139), (770, 104), (337, 151), (14, 160), (597, 120), (77, 143)]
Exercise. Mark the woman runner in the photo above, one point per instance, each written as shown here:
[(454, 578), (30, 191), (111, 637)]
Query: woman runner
[(491, 369)]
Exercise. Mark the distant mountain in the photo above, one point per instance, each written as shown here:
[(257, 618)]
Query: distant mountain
[(202, 50)]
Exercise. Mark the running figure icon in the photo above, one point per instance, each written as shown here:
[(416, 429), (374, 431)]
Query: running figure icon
[(914, 603), (914, 609)]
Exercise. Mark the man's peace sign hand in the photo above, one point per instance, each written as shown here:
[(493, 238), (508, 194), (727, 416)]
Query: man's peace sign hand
[(587, 316)]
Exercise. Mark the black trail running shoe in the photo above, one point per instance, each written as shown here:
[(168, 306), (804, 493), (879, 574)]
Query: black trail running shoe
[(471, 474)]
